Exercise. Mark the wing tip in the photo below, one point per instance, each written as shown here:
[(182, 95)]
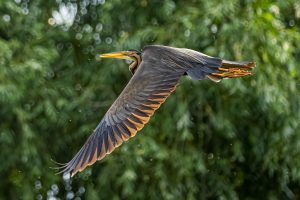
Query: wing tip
[(65, 171)]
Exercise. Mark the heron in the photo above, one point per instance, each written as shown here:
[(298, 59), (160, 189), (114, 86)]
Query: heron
[(156, 70)]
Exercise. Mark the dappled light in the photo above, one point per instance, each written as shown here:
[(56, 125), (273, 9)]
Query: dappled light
[(236, 139)]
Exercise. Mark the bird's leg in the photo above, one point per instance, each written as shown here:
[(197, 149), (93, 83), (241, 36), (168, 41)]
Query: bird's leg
[(230, 69)]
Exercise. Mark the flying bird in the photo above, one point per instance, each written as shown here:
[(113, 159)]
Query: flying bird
[(156, 72)]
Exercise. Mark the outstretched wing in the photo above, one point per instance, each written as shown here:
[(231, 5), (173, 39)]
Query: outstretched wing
[(154, 80), (146, 91)]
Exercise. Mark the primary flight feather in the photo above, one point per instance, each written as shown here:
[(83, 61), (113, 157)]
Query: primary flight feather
[(156, 71)]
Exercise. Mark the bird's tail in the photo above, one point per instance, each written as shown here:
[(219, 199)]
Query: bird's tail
[(232, 69)]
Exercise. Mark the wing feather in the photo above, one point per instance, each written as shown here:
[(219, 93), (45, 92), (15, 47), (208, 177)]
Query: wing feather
[(118, 135), (149, 87), (93, 153), (125, 131), (99, 147)]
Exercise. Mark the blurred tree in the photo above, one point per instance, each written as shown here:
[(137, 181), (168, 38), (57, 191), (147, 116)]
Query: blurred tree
[(238, 139)]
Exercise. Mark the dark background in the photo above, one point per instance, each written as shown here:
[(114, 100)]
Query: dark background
[(238, 139)]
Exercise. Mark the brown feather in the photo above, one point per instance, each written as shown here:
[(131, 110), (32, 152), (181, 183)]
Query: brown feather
[(153, 81)]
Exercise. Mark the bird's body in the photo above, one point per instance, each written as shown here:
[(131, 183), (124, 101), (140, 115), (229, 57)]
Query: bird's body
[(156, 71)]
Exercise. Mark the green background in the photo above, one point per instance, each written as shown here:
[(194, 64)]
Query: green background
[(238, 139)]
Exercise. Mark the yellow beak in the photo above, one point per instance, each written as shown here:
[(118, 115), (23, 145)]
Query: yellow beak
[(118, 55)]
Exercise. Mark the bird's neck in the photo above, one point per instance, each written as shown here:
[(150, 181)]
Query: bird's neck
[(135, 64)]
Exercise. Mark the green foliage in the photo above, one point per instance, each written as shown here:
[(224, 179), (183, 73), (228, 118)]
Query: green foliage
[(238, 139)]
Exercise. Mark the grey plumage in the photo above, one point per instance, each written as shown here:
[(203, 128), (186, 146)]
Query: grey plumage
[(154, 79)]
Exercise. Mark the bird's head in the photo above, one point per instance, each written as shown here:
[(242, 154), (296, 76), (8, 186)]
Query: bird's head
[(133, 55)]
